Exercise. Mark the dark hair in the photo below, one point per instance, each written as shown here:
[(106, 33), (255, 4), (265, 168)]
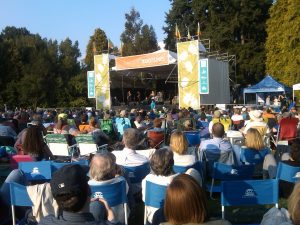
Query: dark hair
[(73, 202), (185, 201), (162, 162), (157, 123), (295, 150), (33, 142), (84, 118), (218, 130)]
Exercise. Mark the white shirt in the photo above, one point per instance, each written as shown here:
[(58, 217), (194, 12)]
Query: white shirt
[(129, 157), (183, 160), (161, 180), (254, 124)]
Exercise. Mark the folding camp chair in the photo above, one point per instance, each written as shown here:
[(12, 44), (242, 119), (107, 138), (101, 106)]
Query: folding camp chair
[(249, 192), (36, 170), (182, 169), (57, 165), (114, 194), (155, 138), (193, 137), (18, 197), (58, 145), (287, 173), (154, 197), (225, 172), (137, 173), (86, 144)]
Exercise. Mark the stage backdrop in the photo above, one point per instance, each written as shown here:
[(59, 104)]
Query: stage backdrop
[(102, 85), (188, 74)]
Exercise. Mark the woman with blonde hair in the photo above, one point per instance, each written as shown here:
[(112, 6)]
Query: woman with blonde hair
[(183, 156), (256, 152)]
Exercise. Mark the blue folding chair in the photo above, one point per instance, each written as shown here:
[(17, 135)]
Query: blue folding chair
[(287, 173), (114, 194), (193, 137), (36, 170), (182, 169), (154, 196), (249, 192), (57, 165), (251, 156), (18, 197), (225, 172), (137, 173)]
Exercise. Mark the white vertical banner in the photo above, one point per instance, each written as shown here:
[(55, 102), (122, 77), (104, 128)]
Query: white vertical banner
[(91, 84), (203, 76)]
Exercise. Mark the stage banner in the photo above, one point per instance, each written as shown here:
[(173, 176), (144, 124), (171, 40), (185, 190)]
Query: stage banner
[(91, 84), (188, 74), (203, 76), (143, 61), (102, 84)]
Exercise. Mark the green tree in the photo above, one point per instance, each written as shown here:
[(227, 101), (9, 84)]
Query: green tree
[(233, 26), (283, 42), (97, 44), (137, 38)]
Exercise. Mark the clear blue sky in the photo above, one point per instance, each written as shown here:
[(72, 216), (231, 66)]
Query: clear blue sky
[(77, 19)]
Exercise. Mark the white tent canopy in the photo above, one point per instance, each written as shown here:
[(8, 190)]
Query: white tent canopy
[(296, 87)]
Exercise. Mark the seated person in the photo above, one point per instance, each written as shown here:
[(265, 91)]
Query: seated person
[(256, 121), (237, 119), (128, 156), (72, 193), (256, 152), (219, 118), (185, 203), (103, 170), (291, 159), (183, 156), (217, 142), (157, 123), (288, 127)]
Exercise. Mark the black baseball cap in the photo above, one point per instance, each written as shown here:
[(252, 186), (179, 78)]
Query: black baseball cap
[(70, 179)]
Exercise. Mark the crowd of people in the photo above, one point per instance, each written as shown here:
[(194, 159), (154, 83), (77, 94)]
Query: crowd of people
[(127, 133)]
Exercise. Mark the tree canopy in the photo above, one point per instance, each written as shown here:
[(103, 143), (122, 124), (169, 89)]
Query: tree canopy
[(233, 26), (137, 38), (283, 42)]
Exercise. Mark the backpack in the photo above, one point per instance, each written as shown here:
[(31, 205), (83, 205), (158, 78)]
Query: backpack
[(107, 127)]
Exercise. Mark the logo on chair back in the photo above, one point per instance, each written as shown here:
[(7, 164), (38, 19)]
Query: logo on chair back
[(234, 172), (98, 195), (35, 170), (249, 193)]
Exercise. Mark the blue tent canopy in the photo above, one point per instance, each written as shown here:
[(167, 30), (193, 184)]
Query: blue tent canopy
[(267, 85)]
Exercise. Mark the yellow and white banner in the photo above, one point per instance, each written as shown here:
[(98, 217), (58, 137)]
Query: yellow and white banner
[(102, 85), (188, 74)]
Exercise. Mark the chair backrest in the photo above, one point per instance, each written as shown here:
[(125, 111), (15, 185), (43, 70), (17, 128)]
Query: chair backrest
[(122, 124), (19, 195), (155, 194), (253, 156), (36, 170), (222, 171), (182, 169), (15, 159), (287, 173), (137, 173), (57, 165), (249, 192), (86, 144), (193, 137), (58, 144), (114, 194), (55, 138), (155, 137)]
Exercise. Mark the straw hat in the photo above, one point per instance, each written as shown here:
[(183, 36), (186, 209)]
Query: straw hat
[(256, 115)]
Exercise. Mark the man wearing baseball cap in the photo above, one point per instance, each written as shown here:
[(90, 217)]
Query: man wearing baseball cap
[(72, 193)]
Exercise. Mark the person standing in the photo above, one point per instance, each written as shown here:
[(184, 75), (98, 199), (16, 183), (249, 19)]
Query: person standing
[(128, 97)]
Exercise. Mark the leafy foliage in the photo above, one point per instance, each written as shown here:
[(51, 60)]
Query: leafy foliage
[(233, 26), (283, 42), (137, 38), (35, 71)]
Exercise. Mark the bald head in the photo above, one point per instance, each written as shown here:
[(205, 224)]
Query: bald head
[(218, 130), (103, 167)]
